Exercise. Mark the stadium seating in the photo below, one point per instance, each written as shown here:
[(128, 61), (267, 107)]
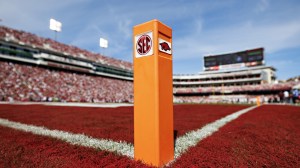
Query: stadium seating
[(229, 99), (22, 37), (34, 83), (232, 89), (28, 83)]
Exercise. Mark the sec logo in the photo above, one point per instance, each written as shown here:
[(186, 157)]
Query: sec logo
[(144, 44)]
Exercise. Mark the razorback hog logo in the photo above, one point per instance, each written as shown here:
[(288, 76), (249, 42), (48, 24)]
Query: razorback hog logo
[(165, 46)]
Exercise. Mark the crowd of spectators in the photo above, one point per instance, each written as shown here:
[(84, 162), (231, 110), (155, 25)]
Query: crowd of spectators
[(35, 41), (31, 83), (234, 89), (213, 99), (230, 99)]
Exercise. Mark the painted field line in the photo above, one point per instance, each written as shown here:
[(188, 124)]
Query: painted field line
[(192, 138), (121, 148), (182, 144)]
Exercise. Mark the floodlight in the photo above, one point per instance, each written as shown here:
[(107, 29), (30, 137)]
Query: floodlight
[(103, 43), (55, 25)]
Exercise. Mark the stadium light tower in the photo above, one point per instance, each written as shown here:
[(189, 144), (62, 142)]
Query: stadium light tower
[(103, 43), (55, 26)]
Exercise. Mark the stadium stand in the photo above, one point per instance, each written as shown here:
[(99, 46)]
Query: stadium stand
[(25, 38), (228, 99), (40, 69), (238, 89), (30, 83)]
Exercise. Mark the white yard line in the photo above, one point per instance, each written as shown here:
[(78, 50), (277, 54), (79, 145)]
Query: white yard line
[(182, 144), (121, 148), (192, 138)]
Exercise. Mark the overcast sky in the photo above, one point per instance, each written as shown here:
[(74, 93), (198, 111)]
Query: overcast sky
[(199, 27)]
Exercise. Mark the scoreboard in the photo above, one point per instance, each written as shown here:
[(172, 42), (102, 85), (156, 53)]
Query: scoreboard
[(240, 59)]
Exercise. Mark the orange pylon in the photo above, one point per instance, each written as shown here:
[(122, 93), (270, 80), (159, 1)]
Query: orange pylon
[(153, 93), (258, 101)]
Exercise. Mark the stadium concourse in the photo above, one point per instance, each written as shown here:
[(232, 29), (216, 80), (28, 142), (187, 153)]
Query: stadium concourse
[(40, 69)]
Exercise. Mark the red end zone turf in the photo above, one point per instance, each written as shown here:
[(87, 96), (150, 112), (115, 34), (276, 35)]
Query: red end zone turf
[(109, 123), (264, 137), (19, 149), (268, 136)]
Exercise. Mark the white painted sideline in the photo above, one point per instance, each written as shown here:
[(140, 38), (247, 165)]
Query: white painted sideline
[(121, 148), (109, 105), (182, 144), (190, 139)]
